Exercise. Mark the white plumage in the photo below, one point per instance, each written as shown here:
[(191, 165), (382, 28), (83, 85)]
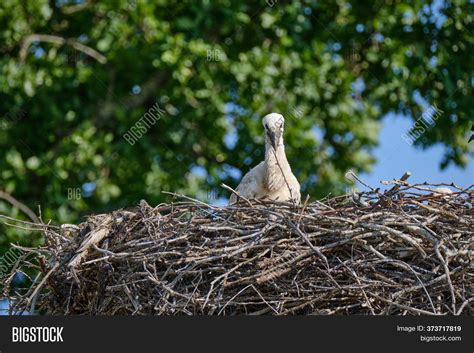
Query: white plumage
[(271, 179)]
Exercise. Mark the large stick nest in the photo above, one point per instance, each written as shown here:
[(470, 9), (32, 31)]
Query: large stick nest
[(406, 251)]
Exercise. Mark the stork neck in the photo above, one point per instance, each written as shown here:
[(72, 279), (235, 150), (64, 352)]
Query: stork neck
[(270, 153), (274, 170)]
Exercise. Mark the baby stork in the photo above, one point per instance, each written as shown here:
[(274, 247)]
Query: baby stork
[(271, 179)]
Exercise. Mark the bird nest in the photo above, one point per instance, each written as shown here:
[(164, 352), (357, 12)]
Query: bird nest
[(408, 250)]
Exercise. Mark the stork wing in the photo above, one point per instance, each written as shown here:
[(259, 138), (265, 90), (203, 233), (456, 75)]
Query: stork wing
[(250, 185)]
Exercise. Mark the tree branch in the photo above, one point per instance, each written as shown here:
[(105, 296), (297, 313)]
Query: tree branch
[(21, 206), (59, 41), (69, 10)]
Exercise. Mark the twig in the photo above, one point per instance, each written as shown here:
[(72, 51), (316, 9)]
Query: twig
[(236, 194)]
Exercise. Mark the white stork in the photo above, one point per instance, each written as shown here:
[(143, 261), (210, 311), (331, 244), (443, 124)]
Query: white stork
[(271, 179)]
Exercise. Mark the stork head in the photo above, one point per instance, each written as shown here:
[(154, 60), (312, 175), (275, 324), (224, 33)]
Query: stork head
[(273, 124)]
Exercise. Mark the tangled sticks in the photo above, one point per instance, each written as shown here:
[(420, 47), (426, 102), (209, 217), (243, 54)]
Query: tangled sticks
[(407, 251)]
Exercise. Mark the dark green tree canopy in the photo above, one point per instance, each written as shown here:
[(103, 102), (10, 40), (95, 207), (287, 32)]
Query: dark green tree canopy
[(77, 75)]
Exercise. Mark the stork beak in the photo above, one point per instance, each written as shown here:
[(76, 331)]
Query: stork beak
[(274, 137)]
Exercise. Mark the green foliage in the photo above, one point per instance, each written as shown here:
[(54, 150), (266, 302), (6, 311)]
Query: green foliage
[(63, 112)]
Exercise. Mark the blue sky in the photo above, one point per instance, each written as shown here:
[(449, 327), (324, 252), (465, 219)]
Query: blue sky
[(395, 156), (3, 307)]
